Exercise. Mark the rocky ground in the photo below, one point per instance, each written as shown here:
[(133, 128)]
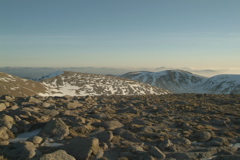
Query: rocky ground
[(176, 126)]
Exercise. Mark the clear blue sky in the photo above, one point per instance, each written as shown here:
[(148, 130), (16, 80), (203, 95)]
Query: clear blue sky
[(120, 33)]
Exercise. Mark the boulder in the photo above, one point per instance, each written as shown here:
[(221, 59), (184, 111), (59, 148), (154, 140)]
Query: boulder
[(55, 129)]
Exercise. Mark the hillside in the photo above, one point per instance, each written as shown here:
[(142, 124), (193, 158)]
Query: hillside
[(16, 86), (82, 84)]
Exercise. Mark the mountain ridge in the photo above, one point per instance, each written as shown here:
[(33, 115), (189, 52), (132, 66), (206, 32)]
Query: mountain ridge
[(180, 81)]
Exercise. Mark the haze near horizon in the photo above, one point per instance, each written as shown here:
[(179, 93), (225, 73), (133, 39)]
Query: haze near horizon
[(136, 33)]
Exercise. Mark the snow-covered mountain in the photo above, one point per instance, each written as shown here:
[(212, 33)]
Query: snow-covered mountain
[(82, 84), (16, 86), (180, 81), (223, 84), (177, 81)]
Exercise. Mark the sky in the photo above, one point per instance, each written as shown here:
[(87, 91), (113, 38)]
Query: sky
[(120, 33)]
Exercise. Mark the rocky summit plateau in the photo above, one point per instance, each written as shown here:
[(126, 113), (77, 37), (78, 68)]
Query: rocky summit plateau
[(117, 127)]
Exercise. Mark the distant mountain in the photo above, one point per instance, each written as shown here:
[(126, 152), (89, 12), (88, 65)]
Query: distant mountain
[(82, 84), (16, 86), (180, 81)]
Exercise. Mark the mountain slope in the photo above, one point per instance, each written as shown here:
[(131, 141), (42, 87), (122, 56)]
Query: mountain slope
[(180, 81), (16, 86), (177, 81), (82, 84)]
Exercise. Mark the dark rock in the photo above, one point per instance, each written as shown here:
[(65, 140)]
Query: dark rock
[(82, 148)]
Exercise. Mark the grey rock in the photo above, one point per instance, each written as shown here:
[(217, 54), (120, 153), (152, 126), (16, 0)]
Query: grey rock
[(55, 129), (155, 152), (82, 148), (57, 155)]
